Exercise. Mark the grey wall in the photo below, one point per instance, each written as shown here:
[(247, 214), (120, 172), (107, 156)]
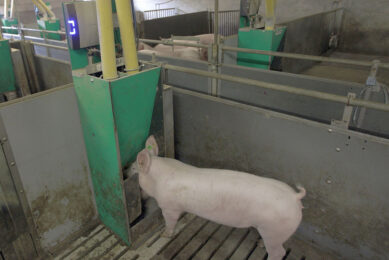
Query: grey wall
[(366, 27)]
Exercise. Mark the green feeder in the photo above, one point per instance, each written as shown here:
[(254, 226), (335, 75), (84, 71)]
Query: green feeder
[(7, 76), (50, 25), (256, 39), (115, 114), (10, 22)]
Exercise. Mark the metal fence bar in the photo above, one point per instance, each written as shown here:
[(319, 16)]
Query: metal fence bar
[(34, 30), (50, 46), (170, 42), (306, 57), (283, 88)]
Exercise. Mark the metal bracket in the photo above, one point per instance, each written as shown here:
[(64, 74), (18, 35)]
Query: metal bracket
[(347, 114)]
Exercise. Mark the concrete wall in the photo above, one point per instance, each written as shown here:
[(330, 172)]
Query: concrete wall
[(366, 27), (287, 9)]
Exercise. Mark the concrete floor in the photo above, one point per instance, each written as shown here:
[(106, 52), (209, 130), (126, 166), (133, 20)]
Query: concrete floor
[(348, 72)]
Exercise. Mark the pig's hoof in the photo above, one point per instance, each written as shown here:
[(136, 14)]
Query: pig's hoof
[(261, 244), (167, 234)]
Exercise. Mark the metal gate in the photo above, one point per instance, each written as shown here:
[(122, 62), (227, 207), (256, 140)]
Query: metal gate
[(160, 13), (228, 22)]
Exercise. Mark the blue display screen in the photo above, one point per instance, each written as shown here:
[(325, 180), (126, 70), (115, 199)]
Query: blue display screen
[(72, 27)]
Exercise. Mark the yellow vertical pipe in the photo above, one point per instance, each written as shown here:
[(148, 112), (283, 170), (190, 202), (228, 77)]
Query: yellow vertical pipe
[(47, 9), (107, 42), (127, 34), (12, 9), (270, 14), (5, 9), (38, 5)]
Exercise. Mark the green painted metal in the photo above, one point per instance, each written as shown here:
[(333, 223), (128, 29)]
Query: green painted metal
[(116, 117), (7, 76), (95, 106), (267, 40), (50, 25), (10, 22), (133, 103), (243, 22)]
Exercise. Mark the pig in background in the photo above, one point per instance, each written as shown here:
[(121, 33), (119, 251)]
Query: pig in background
[(180, 51), (231, 198)]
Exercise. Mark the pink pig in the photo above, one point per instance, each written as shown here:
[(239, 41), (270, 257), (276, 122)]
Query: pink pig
[(226, 197)]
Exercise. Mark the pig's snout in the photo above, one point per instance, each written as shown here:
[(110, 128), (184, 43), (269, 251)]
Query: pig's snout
[(133, 170)]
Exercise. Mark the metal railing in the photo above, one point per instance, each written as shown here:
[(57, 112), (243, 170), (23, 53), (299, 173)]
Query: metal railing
[(228, 22), (160, 13), (50, 46), (33, 30), (307, 57), (347, 100)]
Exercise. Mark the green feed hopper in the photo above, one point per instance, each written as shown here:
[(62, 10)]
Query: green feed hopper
[(115, 115)]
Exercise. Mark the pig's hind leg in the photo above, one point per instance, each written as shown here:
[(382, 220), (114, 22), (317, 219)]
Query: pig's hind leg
[(171, 217), (273, 241)]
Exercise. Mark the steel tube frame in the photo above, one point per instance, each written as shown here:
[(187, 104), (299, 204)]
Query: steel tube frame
[(33, 30), (235, 49), (306, 57), (172, 43), (292, 90), (50, 46)]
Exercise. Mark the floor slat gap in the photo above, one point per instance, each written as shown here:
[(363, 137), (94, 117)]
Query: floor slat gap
[(82, 240)]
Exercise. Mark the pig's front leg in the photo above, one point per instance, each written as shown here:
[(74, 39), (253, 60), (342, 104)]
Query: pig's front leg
[(171, 218)]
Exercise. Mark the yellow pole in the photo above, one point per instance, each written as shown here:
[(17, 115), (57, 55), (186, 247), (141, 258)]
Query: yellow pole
[(124, 11), (107, 42), (270, 14), (12, 9), (38, 5), (5, 9), (47, 9)]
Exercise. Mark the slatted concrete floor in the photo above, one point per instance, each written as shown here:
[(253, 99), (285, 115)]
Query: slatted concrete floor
[(195, 238)]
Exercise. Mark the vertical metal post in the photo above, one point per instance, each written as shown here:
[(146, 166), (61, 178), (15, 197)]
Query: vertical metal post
[(168, 121), (370, 84), (48, 51), (215, 49)]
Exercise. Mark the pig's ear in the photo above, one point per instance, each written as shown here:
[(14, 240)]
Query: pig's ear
[(152, 146), (144, 161)]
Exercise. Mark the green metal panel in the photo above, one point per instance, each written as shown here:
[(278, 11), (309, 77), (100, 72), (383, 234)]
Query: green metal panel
[(267, 40), (7, 76), (244, 22), (10, 22), (97, 118), (50, 25), (133, 102), (116, 117)]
